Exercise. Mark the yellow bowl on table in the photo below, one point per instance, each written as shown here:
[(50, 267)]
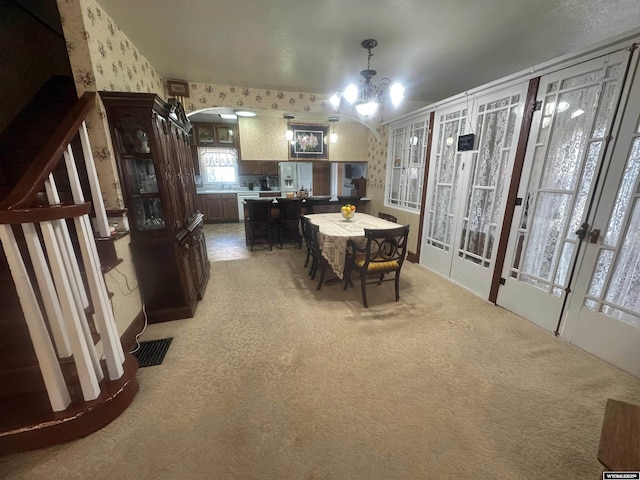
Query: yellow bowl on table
[(348, 211)]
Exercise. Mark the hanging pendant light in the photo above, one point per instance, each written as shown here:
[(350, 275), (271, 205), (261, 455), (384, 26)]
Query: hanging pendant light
[(333, 137), (289, 133)]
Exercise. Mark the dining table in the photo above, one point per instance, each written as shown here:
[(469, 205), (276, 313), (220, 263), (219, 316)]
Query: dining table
[(335, 231)]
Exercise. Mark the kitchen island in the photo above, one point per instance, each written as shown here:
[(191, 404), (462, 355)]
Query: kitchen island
[(328, 206)]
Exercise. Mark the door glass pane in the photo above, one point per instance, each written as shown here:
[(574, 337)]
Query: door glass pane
[(488, 165), (585, 188), (446, 171), (564, 263), (441, 217), (545, 237), (624, 287), (624, 195), (608, 103), (571, 129), (600, 273)]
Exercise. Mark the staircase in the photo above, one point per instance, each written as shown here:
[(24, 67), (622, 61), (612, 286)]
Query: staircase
[(54, 387)]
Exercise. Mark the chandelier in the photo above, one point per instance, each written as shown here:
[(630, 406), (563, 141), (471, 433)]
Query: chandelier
[(368, 96)]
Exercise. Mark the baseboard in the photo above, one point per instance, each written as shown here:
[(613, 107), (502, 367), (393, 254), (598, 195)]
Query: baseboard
[(412, 257)]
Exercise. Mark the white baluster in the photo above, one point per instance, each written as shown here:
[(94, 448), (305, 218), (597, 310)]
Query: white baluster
[(105, 321), (49, 366), (64, 239), (47, 291), (82, 356), (70, 263), (94, 184), (102, 306)]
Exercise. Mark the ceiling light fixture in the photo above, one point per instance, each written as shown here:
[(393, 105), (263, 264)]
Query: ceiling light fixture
[(228, 116), (245, 113), (333, 138), (289, 133), (369, 96)]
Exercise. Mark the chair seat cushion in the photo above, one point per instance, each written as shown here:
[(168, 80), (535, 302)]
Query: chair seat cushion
[(376, 266)]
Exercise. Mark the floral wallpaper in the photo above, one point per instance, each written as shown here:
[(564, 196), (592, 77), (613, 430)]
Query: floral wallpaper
[(377, 156), (103, 58), (205, 95), (263, 138), (352, 144)]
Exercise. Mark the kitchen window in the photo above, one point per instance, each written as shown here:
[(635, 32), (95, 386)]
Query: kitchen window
[(218, 165)]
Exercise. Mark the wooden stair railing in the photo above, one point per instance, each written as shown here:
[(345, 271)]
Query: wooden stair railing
[(53, 298)]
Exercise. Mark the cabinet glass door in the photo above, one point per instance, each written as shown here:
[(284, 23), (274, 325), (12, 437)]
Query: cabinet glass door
[(141, 181)]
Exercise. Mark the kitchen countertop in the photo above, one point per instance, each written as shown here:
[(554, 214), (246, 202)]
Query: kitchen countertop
[(203, 191), (210, 190)]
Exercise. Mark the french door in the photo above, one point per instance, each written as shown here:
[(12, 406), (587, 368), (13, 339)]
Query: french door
[(467, 189), (573, 254), (603, 316)]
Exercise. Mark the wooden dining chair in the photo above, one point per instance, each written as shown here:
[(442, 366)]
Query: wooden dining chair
[(388, 217), (259, 221), (306, 236), (312, 204), (318, 261), (384, 252), (289, 220)]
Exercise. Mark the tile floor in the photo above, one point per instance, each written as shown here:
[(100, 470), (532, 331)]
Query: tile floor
[(225, 241)]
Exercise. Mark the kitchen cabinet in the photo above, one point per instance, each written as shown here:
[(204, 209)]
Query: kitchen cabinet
[(215, 135), (321, 178), (257, 167), (153, 155), (219, 207)]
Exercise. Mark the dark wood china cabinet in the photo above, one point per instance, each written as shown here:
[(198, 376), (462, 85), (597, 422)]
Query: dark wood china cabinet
[(151, 142)]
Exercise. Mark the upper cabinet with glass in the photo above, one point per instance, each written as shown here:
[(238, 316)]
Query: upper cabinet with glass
[(215, 135)]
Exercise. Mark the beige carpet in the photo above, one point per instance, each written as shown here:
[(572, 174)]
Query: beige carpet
[(273, 380)]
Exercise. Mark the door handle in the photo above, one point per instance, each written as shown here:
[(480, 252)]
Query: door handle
[(582, 231), (594, 235)]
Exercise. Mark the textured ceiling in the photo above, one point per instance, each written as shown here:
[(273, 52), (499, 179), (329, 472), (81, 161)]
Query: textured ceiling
[(436, 48)]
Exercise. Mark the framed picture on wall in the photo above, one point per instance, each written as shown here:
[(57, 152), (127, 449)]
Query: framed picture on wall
[(225, 134), (177, 88), (309, 142)]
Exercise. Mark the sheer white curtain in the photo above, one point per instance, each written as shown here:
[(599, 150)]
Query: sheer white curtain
[(218, 165)]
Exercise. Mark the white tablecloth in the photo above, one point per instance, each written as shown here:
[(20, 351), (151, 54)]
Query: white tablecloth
[(335, 231)]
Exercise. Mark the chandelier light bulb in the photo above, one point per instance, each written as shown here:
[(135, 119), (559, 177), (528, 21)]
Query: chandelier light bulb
[(351, 93), (333, 138), (396, 92), (335, 100), (366, 109)]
